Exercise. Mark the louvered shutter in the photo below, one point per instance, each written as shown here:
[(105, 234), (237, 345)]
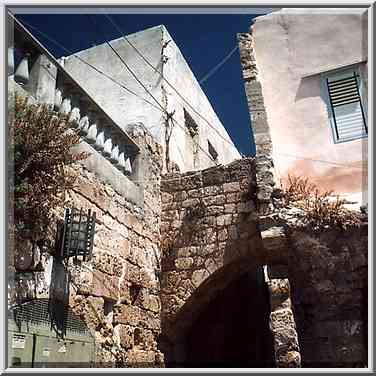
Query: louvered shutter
[(349, 120)]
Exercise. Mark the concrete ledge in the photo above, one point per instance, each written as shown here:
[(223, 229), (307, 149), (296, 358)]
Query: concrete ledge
[(109, 174)]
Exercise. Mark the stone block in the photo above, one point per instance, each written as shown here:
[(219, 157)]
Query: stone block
[(135, 316), (166, 197), (224, 220), (185, 263), (230, 208), (140, 358), (104, 285), (126, 334), (198, 276), (150, 302), (191, 181), (170, 281), (231, 187), (194, 193), (214, 200), (213, 176), (210, 265), (213, 190), (191, 203), (214, 210)]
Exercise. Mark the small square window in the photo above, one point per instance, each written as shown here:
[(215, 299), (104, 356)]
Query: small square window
[(347, 113)]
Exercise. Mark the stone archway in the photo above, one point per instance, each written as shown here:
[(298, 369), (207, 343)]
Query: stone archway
[(224, 323), (233, 329)]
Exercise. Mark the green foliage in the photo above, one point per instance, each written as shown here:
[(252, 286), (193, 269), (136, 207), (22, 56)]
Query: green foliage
[(40, 146)]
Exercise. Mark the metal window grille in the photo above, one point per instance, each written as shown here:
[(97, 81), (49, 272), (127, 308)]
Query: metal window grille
[(349, 121), (37, 312)]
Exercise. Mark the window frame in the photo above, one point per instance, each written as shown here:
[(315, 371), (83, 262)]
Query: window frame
[(363, 103)]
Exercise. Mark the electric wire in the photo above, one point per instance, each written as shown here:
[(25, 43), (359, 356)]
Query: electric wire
[(130, 91), (129, 69), (165, 79), (216, 67), (84, 62), (160, 108), (169, 116)]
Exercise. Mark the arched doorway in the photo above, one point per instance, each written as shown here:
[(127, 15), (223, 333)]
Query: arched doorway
[(232, 330)]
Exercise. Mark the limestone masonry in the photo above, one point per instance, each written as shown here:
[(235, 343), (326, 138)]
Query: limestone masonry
[(197, 265)]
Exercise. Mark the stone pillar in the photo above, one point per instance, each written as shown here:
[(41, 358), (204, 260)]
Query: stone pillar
[(282, 322), (42, 80), (259, 123)]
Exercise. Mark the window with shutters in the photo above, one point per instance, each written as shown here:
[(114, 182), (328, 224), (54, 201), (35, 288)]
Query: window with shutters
[(346, 105)]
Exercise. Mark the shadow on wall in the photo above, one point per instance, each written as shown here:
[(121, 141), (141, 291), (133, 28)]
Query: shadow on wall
[(231, 330), (309, 87)]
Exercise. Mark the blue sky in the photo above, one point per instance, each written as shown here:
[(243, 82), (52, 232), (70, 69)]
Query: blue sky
[(204, 39)]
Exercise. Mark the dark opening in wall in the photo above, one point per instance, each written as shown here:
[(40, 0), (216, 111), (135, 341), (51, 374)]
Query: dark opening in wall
[(213, 153), (192, 138), (137, 337), (233, 329), (108, 307)]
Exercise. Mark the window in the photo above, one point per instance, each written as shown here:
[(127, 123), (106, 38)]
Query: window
[(192, 140), (347, 112), (213, 153), (190, 124)]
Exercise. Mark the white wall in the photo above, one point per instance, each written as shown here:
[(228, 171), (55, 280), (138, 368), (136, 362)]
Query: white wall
[(125, 108), (210, 127), (292, 47), (121, 105)]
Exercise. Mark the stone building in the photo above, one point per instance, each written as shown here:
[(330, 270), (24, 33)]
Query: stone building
[(292, 122), (193, 264), (312, 100)]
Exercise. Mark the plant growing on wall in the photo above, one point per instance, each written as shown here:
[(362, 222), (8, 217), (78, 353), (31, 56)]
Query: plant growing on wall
[(40, 146), (321, 208)]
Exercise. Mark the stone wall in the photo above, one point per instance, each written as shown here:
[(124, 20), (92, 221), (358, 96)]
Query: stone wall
[(328, 275), (209, 237), (116, 293)]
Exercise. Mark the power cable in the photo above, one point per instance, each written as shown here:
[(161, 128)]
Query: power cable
[(130, 91), (85, 62), (317, 160), (160, 108), (130, 70), (216, 67), (169, 116), (165, 79)]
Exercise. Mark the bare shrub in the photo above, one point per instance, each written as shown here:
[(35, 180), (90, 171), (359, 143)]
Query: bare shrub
[(321, 208)]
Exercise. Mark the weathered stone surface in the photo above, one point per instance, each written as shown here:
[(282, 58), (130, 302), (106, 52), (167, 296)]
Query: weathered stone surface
[(198, 276), (126, 335), (135, 316), (140, 358), (184, 263)]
